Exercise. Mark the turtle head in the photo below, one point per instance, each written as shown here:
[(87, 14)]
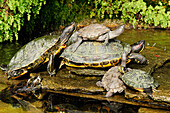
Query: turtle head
[(138, 46), (67, 32)]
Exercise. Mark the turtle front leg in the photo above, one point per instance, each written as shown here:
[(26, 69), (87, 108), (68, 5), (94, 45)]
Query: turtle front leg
[(107, 39), (50, 67), (76, 45)]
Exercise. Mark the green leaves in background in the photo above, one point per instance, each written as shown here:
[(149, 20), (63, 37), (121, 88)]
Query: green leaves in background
[(133, 11), (12, 16), (61, 12)]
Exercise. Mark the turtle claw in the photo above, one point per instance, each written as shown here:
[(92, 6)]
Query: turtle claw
[(52, 75), (108, 94), (99, 84), (154, 90)]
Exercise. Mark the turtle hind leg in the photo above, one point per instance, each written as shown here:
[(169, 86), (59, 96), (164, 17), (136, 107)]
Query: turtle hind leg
[(77, 44)]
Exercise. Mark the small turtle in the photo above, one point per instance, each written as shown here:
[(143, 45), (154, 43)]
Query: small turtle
[(96, 32), (38, 52), (97, 55), (111, 81), (140, 80)]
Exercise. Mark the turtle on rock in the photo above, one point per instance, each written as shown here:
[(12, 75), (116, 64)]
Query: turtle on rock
[(140, 81), (98, 55), (38, 52), (97, 32)]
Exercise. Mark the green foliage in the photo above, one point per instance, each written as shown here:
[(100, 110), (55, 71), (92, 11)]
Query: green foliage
[(12, 13), (57, 13), (54, 14), (133, 11)]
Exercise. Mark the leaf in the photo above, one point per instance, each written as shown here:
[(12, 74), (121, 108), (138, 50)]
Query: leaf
[(28, 17)]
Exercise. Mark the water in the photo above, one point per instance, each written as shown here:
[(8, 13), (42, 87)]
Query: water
[(157, 38), (7, 51)]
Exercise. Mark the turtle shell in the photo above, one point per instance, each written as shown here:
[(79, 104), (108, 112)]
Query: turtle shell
[(111, 81), (31, 52), (139, 79), (93, 31), (95, 54)]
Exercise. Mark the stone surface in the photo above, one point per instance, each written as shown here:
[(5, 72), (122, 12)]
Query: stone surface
[(149, 110)]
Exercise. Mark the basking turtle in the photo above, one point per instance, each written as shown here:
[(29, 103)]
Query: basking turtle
[(96, 32), (99, 55), (111, 81), (139, 80), (37, 52)]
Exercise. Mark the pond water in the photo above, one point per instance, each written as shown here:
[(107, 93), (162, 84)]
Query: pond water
[(157, 38)]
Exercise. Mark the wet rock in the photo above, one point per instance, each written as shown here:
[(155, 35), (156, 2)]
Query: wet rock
[(87, 72), (149, 110), (70, 82)]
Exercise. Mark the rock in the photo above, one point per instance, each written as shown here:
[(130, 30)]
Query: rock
[(149, 110)]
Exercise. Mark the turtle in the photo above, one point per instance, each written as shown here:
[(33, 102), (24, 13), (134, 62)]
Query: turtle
[(111, 82), (98, 55), (38, 52), (97, 32), (140, 80)]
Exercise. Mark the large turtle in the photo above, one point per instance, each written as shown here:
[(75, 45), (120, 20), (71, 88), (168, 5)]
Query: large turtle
[(38, 52), (99, 55), (96, 32)]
